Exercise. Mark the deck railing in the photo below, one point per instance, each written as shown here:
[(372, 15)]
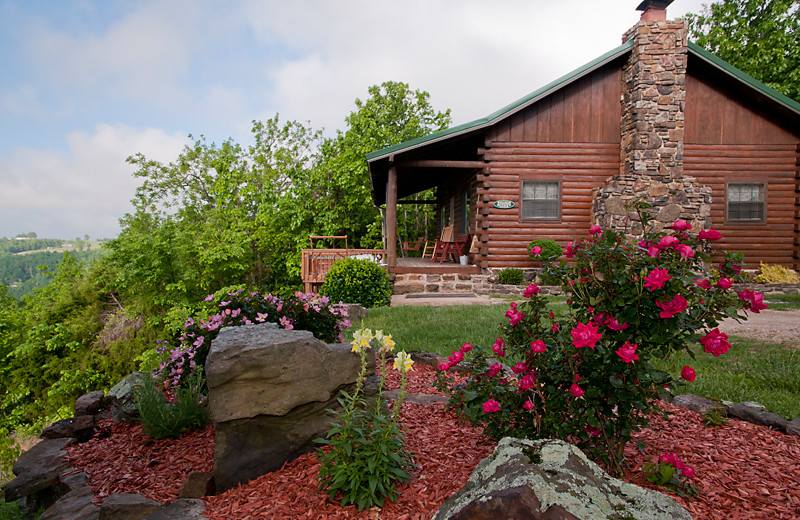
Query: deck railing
[(317, 262)]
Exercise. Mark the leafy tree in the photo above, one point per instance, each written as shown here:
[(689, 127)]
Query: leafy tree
[(760, 37)]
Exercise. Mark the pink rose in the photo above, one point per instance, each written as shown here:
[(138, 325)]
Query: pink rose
[(519, 368), (491, 406), (536, 251), (688, 374), (671, 308), (613, 324), (456, 357), (715, 342), (527, 382), (653, 251), (667, 241), (709, 234), (592, 431), (755, 299), (724, 283), (466, 347), (685, 251), (585, 335), (556, 326), (494, 370), (576, 390), (497, 348), (569, 252), (702, 283), (538, 346), (444, 367), (681, 225), (656, 279), (528, 405), (531, 290), (595, 230), (687, 472), (627, 352)]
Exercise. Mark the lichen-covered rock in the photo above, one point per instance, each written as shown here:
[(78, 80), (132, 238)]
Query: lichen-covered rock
[(549, 479), (123, 402)]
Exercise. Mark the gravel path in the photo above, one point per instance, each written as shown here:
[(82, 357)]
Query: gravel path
[(768, 325)]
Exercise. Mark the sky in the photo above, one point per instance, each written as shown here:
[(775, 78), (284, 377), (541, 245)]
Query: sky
[(87, 83)]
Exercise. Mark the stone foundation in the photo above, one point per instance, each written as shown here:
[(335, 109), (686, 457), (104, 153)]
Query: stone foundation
[(485, 283)]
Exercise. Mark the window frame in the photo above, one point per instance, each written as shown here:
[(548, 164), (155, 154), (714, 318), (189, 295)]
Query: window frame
[(537, 179), (746, 182)]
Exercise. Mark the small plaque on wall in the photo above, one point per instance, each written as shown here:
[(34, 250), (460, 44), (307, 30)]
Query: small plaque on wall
[(504, 204)]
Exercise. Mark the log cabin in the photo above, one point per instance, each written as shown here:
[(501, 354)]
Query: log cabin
[(657, 118)]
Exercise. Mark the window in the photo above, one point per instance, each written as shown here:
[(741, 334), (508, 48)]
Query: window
[(746, 202), (541, 200)]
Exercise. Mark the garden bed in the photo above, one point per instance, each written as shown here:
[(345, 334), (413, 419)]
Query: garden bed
[(743, 471)]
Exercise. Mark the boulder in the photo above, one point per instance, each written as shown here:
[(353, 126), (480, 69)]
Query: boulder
[(123, 403), (181, 509), (355, 312), (793, 427), (699, 404), (261, 369), (431, 359), (38, 470), (198, 484), (550, 479), (79, 428), (89, 404), (77, 504), (758, 414), (127, 506)]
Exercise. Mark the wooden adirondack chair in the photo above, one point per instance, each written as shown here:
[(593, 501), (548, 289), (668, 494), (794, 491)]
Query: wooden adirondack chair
[(434, 247)]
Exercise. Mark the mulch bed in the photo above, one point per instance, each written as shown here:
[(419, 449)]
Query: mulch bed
[(743, 471)]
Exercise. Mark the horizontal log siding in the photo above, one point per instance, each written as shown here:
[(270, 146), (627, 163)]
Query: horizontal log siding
[(503, 236), (774, 241)]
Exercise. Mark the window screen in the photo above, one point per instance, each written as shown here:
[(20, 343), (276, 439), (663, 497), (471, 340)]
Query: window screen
[(746, 202), (541, 200)]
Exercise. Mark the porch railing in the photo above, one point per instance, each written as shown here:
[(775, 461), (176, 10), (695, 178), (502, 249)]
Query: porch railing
[(317, 262)]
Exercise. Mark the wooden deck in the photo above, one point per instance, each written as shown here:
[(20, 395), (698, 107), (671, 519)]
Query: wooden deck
[(420, 266)]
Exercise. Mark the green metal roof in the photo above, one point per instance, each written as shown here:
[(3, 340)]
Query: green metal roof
[(507, 110), (732, 71)]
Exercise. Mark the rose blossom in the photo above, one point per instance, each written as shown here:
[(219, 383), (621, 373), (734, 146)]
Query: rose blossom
[(667, 241), (685, 251), (528, 405), (627, 352), (497, 348), (702, 283), (538, 346), (592, 431), (656, 279), (653, 251), (715, 342), (724, 283), (595, 230), (688, 374), (755, 299), (466, 347), (569, 252), (531, 290), (456, 357), (494, 370), (536, 250), (709, 234), (681, 225), (576, 390), (519, 368), (585, 335), (491, 406), (527, 382), (444, 367), (671, 308), (613, 324)]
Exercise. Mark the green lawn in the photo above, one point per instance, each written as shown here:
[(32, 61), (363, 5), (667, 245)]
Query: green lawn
[(750, 371)]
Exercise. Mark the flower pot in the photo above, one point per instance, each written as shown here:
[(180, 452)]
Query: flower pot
[(464, 259)]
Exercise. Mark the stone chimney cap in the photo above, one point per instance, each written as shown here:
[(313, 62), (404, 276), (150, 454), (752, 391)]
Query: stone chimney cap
[(653, 4)]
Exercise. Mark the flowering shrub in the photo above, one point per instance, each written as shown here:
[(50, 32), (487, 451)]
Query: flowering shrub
[(588, 376), (367, 453), (302, 311), (672, 473)]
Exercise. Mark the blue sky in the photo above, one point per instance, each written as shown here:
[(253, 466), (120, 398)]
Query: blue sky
[(87, 83)]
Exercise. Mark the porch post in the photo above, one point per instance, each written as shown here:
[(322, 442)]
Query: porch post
[(391, 217)]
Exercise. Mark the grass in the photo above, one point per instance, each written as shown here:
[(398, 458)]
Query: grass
[(751, 371), (784, 302)]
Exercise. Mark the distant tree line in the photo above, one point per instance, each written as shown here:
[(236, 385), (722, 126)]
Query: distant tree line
[(10, 245)]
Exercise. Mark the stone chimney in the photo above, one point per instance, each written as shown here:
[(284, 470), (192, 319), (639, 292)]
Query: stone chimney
[(652, 127)]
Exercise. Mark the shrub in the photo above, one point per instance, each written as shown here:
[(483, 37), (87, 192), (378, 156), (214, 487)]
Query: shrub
[(588, 376), (510, 276), (548, 249), (161, 418), (353, 280), (776, 274), (367, 453)]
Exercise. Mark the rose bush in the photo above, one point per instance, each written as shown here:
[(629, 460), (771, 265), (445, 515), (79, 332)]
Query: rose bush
[(588, 376)]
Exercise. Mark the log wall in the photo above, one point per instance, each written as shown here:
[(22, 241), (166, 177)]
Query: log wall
[(503, 236)]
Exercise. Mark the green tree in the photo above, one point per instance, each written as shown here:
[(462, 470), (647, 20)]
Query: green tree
[(340, 191), (760, 37)]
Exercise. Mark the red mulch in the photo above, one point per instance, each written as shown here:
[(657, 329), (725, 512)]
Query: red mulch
[(743, 471)]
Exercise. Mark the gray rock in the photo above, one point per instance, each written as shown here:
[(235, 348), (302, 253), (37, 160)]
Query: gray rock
[(123, 403), (431, 359), (89, 404), (198, 484), (71, 481), (355, 312), (699, 404), (80, 428), (551, 479), (263, 370), (75, 505), (181, 509), (38, 469), (793, 427), (757, 414), (127, 506)]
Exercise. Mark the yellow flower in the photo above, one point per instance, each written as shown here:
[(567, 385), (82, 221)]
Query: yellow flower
[(403, 362), (361, 340), (388, 342)]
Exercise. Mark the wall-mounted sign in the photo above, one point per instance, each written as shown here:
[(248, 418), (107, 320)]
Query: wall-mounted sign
[(504, 204)]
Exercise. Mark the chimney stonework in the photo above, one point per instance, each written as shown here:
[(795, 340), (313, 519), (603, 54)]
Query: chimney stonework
[(652, 130)]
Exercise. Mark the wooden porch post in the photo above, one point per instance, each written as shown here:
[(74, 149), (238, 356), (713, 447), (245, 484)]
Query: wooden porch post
[(391, 217)]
